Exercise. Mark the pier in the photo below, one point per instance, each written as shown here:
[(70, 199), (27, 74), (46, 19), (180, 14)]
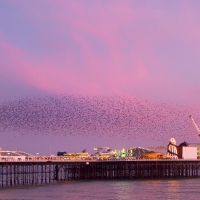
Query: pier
[(33, 172)]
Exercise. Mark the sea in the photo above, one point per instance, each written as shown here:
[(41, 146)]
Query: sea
[(107, 190)]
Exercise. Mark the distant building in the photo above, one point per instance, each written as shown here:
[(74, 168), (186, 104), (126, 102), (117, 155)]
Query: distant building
[(6, 155)]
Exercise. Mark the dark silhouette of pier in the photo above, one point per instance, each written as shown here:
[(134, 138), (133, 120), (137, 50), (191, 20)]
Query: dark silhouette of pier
[(44, 172)]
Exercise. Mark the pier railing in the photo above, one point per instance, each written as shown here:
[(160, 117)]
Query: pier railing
[(56, 158)]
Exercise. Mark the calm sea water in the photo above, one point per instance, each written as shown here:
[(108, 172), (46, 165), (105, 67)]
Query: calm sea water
[(111, 190)]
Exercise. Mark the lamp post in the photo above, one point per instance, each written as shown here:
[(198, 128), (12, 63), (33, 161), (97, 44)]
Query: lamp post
[(8, 155), (37, 154)]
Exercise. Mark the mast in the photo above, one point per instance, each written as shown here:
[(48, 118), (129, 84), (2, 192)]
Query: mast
[(197, 128)]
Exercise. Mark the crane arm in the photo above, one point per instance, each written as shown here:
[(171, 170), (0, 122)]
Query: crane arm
[(197, 128)]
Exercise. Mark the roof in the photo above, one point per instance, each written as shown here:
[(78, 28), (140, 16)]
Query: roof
[(139, 151), (13, 153)]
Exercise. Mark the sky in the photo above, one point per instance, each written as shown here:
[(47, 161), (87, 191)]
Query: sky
[(141, 49)]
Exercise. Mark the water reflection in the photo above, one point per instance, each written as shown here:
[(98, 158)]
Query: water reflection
[(172, 189), (123, 189), (107, 190)]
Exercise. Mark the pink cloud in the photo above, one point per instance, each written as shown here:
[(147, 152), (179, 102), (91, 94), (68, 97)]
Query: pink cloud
[(131, 38), (16, 68)]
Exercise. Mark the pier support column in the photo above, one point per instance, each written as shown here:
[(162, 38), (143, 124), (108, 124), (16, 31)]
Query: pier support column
[(56, 173)]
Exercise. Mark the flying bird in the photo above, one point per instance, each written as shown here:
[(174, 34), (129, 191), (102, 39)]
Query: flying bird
[(97, 116)]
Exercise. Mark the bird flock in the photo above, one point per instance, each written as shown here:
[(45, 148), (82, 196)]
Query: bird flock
[(98, 116)]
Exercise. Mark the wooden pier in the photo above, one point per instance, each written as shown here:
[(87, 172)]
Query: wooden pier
[(44, 172)]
